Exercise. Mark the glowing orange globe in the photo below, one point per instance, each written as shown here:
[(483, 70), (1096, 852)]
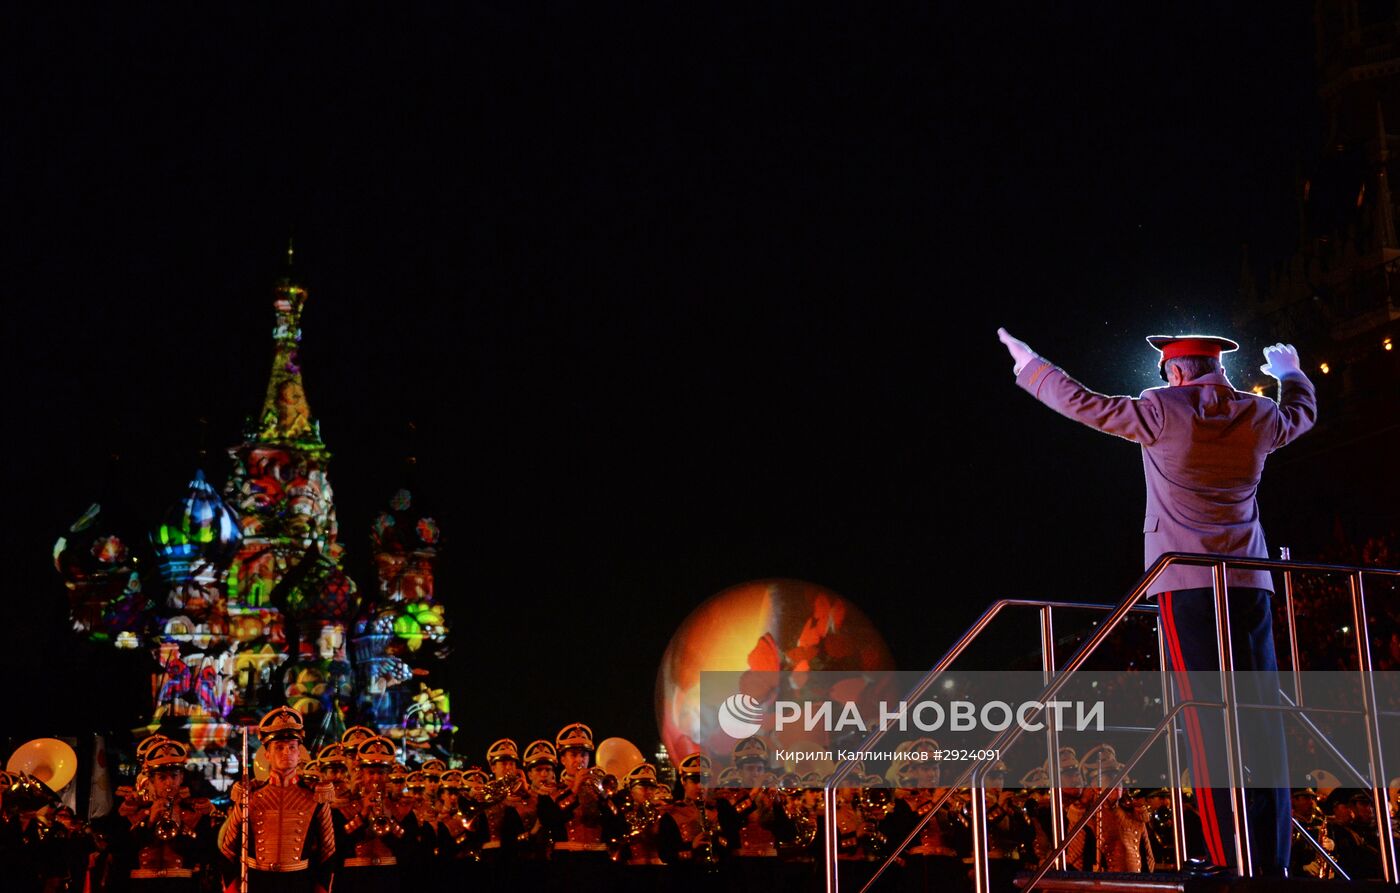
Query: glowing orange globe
[(764, 625)]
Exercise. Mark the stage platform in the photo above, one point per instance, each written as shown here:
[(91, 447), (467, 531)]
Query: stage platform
[(1114, 882)]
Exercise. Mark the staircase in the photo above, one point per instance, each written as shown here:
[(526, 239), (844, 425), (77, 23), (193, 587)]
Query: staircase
[(1042, 878)]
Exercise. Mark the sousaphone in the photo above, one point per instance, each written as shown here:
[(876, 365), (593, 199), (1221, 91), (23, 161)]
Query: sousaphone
[(48, 760)]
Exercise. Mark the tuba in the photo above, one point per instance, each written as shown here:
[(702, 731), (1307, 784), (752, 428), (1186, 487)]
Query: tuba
[(46, 760)]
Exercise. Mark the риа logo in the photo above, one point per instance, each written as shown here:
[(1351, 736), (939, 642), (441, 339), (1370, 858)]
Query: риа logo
[(740, 716)]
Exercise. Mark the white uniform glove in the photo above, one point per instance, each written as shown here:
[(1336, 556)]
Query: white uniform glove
[(1280, 360), (1020, 351)]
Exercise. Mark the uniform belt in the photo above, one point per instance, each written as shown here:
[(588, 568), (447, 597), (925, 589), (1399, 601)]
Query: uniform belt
[(932, 851), (298, 865), (144, 874), (369, 861), (574, 846), (491, 845), (757, 852)]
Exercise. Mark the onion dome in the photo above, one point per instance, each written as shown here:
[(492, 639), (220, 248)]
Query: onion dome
[(96, 559), (407, 525), (91, 549), (199, 529)]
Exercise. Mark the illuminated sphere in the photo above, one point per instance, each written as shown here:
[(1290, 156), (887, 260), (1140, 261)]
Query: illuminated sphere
[(763, 625)]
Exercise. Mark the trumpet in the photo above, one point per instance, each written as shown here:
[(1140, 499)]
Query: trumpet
[(167, 828), (491, 792), (379, 823)]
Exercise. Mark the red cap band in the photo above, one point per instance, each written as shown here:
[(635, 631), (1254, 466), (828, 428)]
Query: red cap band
[(1191, 347)]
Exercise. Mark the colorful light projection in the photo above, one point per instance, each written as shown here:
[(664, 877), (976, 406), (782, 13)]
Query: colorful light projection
[(105, 594), (759, 629), (257, 609), (403, 623)]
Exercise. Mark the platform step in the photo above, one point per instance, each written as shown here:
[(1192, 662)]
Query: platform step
[(1106, 882), (1116, 882)]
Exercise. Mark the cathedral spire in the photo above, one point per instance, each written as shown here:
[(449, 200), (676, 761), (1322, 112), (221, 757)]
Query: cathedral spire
[(285, 416)]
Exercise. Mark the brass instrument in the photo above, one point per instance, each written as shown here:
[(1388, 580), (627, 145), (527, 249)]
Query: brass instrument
[(794, 802), (378, 822), (603, 784), (874, 803), (489, 793), (640, 817), (604, 781), (45, 761), (166, 828), (1316, 823)]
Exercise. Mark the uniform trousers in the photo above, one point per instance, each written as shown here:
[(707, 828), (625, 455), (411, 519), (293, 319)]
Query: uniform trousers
[(1190, 631)]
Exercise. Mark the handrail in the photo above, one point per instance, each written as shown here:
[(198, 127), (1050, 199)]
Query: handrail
[(1219, 565), (1313, 841), (844, 768)]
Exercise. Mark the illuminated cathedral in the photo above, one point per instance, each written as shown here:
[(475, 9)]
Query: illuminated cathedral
[(249, 605)]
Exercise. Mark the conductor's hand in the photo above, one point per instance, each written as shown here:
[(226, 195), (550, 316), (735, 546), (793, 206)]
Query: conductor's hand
[(1020, 351), (1280, 360)]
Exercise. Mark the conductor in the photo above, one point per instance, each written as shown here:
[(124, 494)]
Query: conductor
[(1204, 445)]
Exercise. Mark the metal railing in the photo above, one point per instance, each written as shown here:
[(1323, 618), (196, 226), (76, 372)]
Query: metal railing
[(973, 775)]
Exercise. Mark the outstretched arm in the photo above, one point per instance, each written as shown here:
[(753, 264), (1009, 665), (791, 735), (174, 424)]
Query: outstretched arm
[(1297, 401), (1135, 419)]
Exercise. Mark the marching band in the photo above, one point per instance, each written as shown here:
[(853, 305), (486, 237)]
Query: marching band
[(356, 820)]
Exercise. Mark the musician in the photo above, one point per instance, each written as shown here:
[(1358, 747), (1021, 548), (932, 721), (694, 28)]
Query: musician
[(1121, 826), (639, 840), (1354, 829), (335, 771), (542, 767), (759, 812), (292, 849), (932, 861), (1083, 847), (167, 836), (699, 830), (447, 817), (309, 773), (368, 836), (12, 850), (133, 799), (1306, 860), (581, 800), (350, 741), (504, 826), (534, 802)]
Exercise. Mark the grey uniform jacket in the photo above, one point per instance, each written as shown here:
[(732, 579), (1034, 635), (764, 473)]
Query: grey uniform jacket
[(1203, 450)]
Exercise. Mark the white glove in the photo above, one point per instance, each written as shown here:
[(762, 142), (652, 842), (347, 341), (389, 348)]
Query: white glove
[(1020, 351), (1280, 360)]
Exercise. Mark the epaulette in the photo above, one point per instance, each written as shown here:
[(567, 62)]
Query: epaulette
[(325, 792)]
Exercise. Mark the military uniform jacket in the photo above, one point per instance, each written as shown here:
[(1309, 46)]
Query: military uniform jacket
[(1203, 450), (291, 829)]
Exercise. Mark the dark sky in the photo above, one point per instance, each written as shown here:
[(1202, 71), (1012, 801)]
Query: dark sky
[(676, 299)]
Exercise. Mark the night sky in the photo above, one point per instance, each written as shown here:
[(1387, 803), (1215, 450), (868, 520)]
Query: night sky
[(676, 299)]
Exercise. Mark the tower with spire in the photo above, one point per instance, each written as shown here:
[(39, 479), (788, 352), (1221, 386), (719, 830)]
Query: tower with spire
[(249, 606), (287, 584), (403, 622)]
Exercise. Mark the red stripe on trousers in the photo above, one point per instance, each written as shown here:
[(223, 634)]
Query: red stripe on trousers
[(1195, 739)]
